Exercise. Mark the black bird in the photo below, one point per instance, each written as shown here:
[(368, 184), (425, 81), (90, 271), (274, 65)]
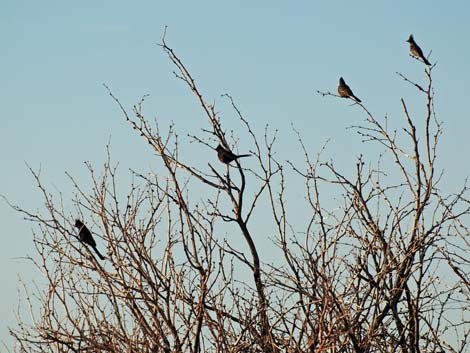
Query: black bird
[(84, 235), (416, 51), (226, 156), (345, 92)]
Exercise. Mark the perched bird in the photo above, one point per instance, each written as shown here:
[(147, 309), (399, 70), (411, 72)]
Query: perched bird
[(345, 92), (416, 51), (226, 156), (84, 235)]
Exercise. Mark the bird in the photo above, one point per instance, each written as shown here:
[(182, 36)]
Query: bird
[(226, 156), (84, 235), (416, 51), (345, 92)]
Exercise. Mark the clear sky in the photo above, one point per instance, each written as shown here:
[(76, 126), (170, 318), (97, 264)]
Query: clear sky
[(271, 56)]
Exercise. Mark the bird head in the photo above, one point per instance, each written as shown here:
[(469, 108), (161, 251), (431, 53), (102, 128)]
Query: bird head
[(219, 148), (78, 223), (341, 81), (410, 39)]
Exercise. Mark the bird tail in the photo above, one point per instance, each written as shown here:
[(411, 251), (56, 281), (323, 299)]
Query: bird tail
[(426, 61), (243, 155), (98, 253), (356, 99)]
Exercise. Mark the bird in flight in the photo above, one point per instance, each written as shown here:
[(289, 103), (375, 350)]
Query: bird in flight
[(416, 51), (84, 235), (226, 156), (345, 92)]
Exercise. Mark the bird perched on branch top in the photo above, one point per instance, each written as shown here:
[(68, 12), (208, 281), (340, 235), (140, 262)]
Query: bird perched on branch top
[(345, 92), (226, 156), (416, 51), (84, 235)]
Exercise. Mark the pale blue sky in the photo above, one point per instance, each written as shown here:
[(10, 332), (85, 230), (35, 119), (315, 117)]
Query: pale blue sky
[(271, 56)]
